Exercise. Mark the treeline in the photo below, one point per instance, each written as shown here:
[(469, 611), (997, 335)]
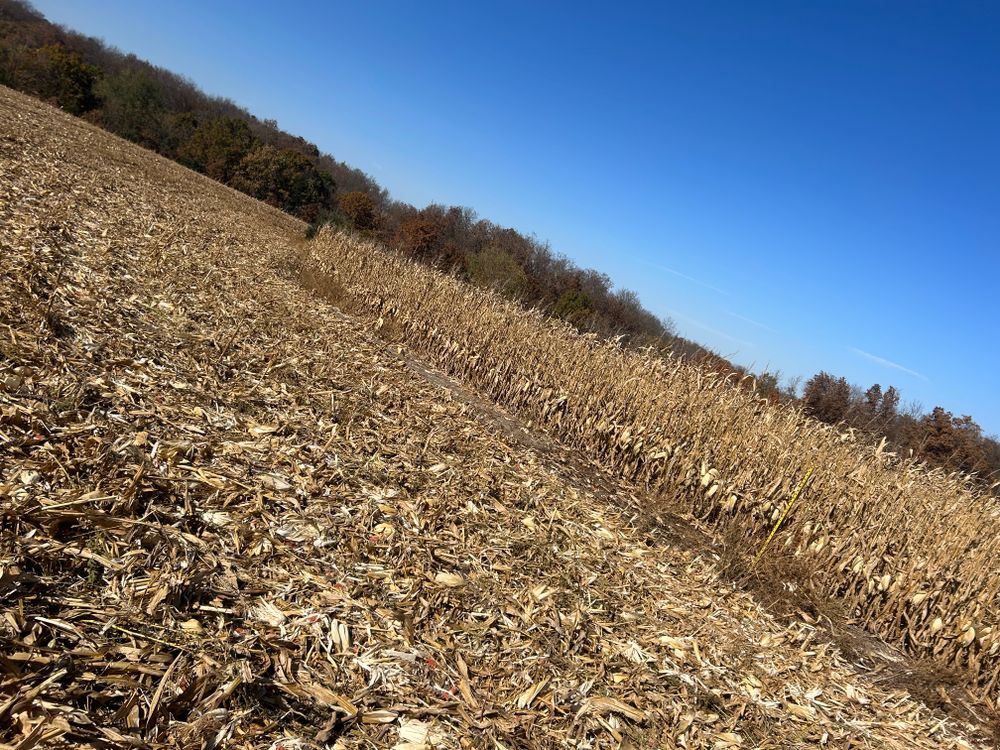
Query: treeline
[(522, 268), (170, 115), (939, 438)]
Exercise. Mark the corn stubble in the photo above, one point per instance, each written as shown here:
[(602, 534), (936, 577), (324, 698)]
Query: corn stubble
[(231, 517)]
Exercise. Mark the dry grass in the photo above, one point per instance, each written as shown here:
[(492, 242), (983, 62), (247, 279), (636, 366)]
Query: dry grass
[(232, 517)]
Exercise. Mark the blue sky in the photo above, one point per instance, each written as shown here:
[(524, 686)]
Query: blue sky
[(802, 186)]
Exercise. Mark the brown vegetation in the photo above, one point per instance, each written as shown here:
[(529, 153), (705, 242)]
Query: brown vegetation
[(359, 209)]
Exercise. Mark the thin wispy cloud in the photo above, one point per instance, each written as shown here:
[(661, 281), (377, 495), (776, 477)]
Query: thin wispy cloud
[(887, 363), (692, 279), (751, 322), (705, 327)]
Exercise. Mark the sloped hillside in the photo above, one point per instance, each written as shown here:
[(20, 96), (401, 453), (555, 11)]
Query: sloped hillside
[(233, 516)]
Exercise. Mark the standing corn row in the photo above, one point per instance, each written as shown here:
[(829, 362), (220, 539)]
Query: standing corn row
[(910, 550)]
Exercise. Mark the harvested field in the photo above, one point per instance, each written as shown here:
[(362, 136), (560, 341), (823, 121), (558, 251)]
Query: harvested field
[(234, 517)]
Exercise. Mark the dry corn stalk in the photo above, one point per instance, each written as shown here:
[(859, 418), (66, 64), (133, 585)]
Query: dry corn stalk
[(888, 529)]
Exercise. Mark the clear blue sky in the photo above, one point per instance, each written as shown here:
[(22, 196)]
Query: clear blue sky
[(799, 185)]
